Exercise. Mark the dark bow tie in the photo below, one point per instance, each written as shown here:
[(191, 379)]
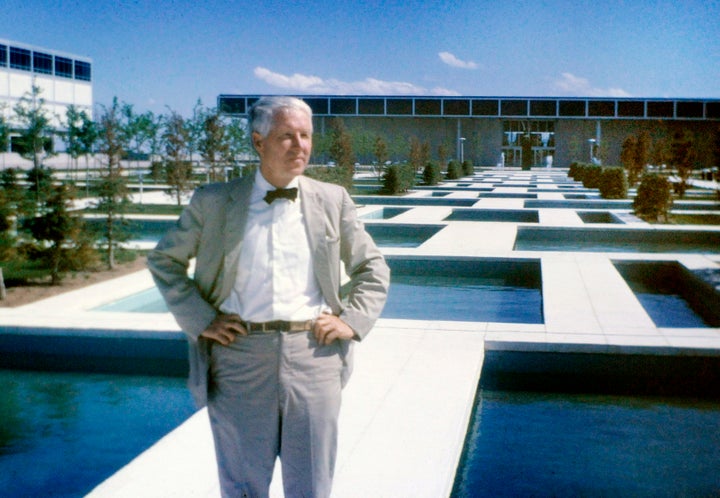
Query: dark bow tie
[(281, 193)]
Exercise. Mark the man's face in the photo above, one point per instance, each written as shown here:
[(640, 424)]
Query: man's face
[(285, 152)]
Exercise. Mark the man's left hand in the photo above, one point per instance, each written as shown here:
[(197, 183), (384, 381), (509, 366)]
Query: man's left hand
[(330, 327)]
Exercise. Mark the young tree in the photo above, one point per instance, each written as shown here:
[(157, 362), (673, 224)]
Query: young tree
[(682, 157), (178, 168), (112, 189), (628, 157), (214, 144), (4, 133), (36, 130), (238, 143), (80, 139), (380, 150), (62, 230), (341, 152)]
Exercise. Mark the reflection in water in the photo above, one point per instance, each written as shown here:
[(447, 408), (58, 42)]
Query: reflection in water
[(62, 434), (540, 444)]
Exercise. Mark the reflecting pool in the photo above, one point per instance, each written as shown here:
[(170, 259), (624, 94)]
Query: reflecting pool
[(62, 434), (540, 444)]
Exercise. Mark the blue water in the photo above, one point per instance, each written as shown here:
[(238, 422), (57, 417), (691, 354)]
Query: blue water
[(670, 310), (544, 445), (419, 297), (416, 298), (63, 434)]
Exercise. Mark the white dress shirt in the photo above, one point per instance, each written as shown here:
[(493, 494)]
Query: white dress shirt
[(275, 280)]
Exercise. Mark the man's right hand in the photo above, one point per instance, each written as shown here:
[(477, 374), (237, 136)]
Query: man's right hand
[(224, 329)]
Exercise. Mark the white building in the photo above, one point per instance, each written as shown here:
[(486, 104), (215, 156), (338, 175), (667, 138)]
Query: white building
[(65, 79)]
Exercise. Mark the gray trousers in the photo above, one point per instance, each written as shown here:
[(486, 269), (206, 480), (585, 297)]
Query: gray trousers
[(275, 395)]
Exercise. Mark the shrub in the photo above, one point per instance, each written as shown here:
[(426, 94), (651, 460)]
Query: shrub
[(432, 174), (454, 170), (613, 183), (467, 168), (573, 171), (653, 199), (398, 178), (591, 176)]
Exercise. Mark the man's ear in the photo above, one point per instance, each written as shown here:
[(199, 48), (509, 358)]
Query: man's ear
[(257, 141)]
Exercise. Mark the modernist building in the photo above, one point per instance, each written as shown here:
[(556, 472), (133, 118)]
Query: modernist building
[(486, 130), (64, 79)]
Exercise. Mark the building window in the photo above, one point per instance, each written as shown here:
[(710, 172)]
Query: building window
[(63, 67), (513, 107), (427, 107), (318, 105), (662, 109), (342, 106), (82, 71), (399, 106), (601, 108), (569, 108), (485, 107), (231, 105), (456, 107), (543, 108), (42, 63), (542, 136), (371, 106), (631, 108), (689, 109), (3, 55), (20, 59)]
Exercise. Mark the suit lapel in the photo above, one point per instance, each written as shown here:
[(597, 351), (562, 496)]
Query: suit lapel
[(236, 213), (315, 219)]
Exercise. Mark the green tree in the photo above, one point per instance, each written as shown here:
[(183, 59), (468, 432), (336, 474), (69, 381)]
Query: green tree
[(214, 143), (380, 150), (59, 227), (238, 142), (682, 157), (4, 133), (112, 189), (653, 199), (80, 138), (341, 151), (36, 130), (178, 168)]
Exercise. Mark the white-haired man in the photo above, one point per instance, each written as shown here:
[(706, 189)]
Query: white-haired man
[(270, 336)]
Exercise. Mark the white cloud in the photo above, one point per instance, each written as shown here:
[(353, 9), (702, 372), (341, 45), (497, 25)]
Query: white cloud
[(453, 61), (573, 85), (369, 86)]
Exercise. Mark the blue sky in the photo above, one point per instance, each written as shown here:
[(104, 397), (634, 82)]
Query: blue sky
[(168, 53)]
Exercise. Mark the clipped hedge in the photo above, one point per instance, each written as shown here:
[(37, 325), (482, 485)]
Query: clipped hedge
[(432, 174), (454, 170), (467, 168), (654, 198), (398, 179), (613, 183)]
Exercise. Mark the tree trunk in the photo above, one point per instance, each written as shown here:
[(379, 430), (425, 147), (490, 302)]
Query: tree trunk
[(3, 293)]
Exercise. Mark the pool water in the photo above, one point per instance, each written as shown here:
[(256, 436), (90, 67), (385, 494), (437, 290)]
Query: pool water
[(670, 310), (416, 297), (472, 299), (540, 444), (63, 434)]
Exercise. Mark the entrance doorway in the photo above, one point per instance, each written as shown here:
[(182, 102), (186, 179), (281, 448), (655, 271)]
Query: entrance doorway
[(542, 135)]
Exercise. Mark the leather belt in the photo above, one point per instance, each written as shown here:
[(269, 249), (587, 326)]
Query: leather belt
[(277, 326)]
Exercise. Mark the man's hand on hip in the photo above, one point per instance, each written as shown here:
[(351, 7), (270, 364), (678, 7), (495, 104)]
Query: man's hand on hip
[(329, 327), (224, 329)]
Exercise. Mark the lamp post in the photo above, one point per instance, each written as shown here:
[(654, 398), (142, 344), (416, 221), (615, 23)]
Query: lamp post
[(462, 149), (592, 142)]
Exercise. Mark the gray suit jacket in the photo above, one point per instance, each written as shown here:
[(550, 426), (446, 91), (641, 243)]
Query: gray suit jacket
[(210, 230)]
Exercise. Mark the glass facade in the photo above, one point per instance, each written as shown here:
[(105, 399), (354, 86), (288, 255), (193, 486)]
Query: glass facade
[(482, 107), (42, 62), (542, 136)]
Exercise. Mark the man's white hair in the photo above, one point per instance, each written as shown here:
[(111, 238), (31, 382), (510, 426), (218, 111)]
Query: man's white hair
[(262, 112)]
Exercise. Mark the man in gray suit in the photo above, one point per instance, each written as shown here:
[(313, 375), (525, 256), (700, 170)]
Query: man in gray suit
[(270, 335)]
